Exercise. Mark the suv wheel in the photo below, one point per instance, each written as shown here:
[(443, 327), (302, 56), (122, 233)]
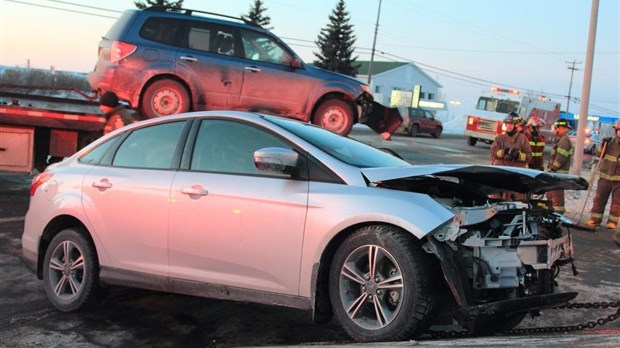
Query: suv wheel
[(437, 132), (163, 98), (335, 115), (414, 130)]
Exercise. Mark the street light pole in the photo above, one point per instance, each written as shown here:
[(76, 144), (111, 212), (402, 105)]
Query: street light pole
[(454, 104), (374, 42)]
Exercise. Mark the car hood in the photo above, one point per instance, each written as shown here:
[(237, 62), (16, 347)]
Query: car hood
[(495, 177), (326, 74)]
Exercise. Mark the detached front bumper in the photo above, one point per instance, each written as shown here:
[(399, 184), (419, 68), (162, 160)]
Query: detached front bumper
[(377, 117), (519, 305)]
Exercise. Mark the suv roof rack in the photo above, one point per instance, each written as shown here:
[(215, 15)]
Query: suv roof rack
[(189, 12)]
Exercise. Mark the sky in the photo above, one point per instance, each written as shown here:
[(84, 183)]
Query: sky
[(466, 45)]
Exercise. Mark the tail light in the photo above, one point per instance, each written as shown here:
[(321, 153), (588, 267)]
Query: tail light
[(121, 50), (39, 180)]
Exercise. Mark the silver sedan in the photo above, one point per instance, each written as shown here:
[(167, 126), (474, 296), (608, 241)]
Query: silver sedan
[(258, 208)]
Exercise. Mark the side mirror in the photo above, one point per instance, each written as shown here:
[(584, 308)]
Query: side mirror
[(276, 160)]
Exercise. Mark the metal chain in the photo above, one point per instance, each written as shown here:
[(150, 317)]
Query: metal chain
[(580, 305)]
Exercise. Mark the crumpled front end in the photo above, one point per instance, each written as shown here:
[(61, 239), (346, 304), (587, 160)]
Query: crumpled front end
[(502, 258)]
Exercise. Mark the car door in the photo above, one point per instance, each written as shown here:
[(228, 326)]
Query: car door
[(270, 84), (231, 224), (208, 58), (126, 199)]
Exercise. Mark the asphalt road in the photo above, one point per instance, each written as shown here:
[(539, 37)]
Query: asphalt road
[(135, 318)]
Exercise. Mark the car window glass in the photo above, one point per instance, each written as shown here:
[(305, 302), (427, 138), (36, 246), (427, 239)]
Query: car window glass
[(95, 155), (211, 38), (163, 30), (428, 115), (228, 147), (258, 46), (150, 147)]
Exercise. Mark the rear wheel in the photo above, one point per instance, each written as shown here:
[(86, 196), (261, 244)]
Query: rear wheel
[(70, 271), (335, 115), (414, 130), (471, 141), (165, 97), (380, 285)]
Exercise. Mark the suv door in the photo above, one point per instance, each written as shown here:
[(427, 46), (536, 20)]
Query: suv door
[(207, 58), (270, 84)]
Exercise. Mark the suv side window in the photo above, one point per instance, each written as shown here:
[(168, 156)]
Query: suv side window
[(162, 30), (210, 38), (261, 47), (150, 147), (228, 147)]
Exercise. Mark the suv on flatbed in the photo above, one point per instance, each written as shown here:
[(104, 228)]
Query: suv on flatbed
[(163, 62)]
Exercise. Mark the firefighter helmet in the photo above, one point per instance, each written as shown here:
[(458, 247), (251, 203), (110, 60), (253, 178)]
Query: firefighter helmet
[(535, 122), (562, 122), (513, 118)]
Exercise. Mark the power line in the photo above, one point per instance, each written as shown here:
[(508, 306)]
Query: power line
[(86, 6), (61, 9)]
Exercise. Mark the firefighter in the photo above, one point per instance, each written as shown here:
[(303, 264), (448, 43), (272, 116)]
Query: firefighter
[(561, 156), (608, 182), (537, 142), (511, 148), (117, 115)]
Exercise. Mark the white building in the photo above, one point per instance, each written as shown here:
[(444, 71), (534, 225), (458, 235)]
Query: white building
[(394, 84)]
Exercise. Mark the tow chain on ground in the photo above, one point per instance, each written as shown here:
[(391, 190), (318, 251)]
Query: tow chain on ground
[(589, 325)]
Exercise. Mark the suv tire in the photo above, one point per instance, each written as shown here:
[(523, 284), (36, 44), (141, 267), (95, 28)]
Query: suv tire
[(335, 115), (165, 97)]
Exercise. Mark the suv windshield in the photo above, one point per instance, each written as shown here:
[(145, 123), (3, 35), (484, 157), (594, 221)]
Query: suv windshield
[(345, 149)]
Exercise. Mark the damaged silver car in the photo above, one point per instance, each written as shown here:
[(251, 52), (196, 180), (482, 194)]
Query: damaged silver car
[(257, 208)]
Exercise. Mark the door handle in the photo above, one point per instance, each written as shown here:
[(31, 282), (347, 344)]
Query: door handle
[(252, 69), (189, 58), (195, 190), (102, 184)]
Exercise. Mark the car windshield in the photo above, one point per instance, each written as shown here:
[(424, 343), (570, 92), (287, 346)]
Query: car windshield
[(345, 149)]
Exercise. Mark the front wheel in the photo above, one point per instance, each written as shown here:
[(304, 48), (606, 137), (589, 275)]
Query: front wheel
[(380, 285), (436, 133), (164, 98), (70, 271), (335, 115)]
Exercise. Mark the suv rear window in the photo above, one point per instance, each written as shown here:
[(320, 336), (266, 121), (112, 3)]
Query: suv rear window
[(116, 30)]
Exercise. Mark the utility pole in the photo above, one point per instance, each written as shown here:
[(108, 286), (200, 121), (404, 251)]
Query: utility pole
[(585, 91), (570, 85), (374, 42)]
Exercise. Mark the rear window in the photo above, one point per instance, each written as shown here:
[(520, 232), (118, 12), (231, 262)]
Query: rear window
[(117, 28)]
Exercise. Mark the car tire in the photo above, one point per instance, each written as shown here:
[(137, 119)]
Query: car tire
[(471, 141), (335, 115), (404, 304), (414, 130), (71, 271), (437, 133), (165, 97)]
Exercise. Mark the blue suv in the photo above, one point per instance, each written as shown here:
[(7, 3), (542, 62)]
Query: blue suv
[(163, 62)]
